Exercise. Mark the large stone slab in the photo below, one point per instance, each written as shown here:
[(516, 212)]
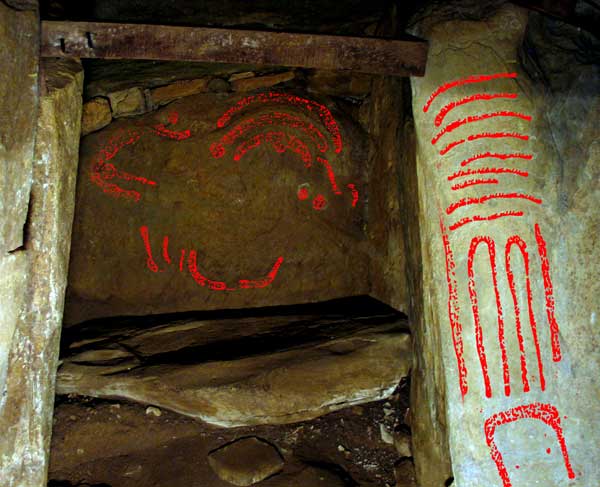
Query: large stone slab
[(37, 276), (290, 370), (262, 230), (514, 294)]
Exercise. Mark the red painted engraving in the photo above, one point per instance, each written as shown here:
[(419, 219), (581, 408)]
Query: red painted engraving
[(546, 413), (488, 170), (518, 241), (477, 118), (495, 155), (283, 98), (279, 141), (166, 249), (468, 99), (146, 239), (354, 192), (262, 283), (330, 175), (303, 193), (548, 289), (475, 307), (482, 199), (480, 218), (473, 182), (484, 135), (480, 78), (319, 203), (454, 311)]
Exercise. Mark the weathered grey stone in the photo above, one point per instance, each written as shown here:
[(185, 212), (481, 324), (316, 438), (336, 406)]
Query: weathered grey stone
[(127, 103), (246, 461), (525, 426), (38, 283), (96, 115), (271, 388)]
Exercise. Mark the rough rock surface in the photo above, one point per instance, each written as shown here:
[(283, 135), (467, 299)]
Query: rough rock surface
[(526, 427), (257, 82), (239, 217), (127, 103), (104, 442), (259, 374), (38, 276), (96, 115), (246, 461), (179, 89)]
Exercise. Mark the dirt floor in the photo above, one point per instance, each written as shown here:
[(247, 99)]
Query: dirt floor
[(119, 444)]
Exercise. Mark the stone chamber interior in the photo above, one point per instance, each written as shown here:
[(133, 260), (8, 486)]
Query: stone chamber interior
[(297, 373), (258, 292)]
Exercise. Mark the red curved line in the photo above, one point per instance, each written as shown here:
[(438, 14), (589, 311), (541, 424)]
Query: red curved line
[(181, 260), (354, 192), (454, 311), (330, 175), (493, 135), (518, 241), (546, 413), (548, 291), (482, 199), (280, 143), (463, 81), (473, 182), (146, 239), (261, 283), (468, 99), (268, 119), (165, 248), (203, 280), (477, 118), (496, 155), (311, 106), (163, 131), (479, 218), (488, 170), (475, 308)]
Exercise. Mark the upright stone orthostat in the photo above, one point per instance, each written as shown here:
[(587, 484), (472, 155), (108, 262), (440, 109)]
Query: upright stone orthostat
[(511, 266)]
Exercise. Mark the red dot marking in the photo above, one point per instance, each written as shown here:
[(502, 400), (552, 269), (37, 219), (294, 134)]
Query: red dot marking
[(319, 203), (303, 193)]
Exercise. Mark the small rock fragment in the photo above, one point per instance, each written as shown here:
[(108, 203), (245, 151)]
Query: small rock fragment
[(96, 115), (246, 461), (386, 437), (127, 102), (244, 75), (402, 442), (154, 411), (249, 84), (218, 85), (179, 89)]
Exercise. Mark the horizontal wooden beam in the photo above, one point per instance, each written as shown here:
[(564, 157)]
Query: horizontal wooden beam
[(168, 43)]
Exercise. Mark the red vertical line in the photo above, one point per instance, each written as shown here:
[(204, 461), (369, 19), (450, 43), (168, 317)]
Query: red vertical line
[(354, 192), (495, 155), (146, 239), (515, 239), (454, 311), (451, 127), (330, 175), (475, 307), (181, 260), (548, 289), (165, 249), (473, 182), (193, 268), (477, 78), (468, 99)]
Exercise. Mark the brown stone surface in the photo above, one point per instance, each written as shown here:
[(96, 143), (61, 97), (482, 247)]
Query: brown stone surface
[(179, 89), (265, 381), (240, 217), (127, 103), (257, 82), (335, 83), (96, 115), (246, 461), (19, 38), (38, 283), (117, 444)]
